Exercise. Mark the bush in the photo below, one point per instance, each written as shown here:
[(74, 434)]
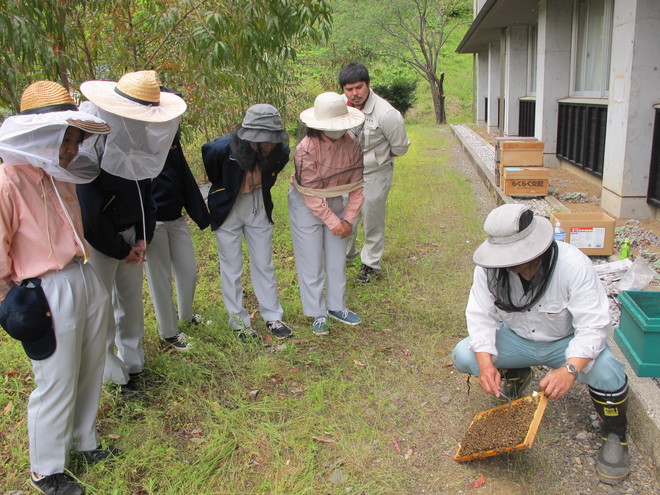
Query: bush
[(400, 93)]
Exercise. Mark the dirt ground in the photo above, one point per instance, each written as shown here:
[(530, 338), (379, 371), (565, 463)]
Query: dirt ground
[(568, 438)]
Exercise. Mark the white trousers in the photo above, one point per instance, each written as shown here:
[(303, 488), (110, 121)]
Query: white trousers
[(320, 257), (248, 218), (171, 252), (373, 216), (62, 408), (126, 329)]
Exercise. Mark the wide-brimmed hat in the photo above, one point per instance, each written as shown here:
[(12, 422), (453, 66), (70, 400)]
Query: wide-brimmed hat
[(330, 113), (48, 96), (262, 124), (25, 315), (137, 95), (515, 236)]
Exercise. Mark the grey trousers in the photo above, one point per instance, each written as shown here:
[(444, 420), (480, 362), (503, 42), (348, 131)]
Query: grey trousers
[(171, 253), (62, 408), (126, 329), (320, 257), (248, 218), (372, 214)]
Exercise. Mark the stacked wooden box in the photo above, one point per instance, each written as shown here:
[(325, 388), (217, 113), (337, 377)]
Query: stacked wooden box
[(519, 170)]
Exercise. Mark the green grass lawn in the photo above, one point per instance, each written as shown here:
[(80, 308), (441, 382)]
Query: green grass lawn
[(353, 412)]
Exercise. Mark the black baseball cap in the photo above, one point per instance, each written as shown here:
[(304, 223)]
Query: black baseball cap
[(25, 316)]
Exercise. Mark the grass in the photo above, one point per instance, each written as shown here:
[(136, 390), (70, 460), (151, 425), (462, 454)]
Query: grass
[(235, 418)]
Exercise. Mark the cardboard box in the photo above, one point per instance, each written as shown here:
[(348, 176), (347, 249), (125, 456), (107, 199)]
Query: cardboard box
[(520, 153), (499, 139), (525, 181), (592, 233)]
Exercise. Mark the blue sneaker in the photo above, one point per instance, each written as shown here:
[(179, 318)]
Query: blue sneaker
[(320, 326), (346, 316)]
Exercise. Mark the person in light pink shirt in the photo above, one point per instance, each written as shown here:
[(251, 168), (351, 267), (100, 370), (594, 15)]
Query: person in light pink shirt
[(328, 165), (46, 150)]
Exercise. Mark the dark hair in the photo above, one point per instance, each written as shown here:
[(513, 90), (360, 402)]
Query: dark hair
[(352, 73)]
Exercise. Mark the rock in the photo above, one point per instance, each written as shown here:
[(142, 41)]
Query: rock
[(338, 477)]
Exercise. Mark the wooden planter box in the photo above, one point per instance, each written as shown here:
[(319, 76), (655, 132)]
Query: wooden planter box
[(526, 153), (525, 181), (638, 333)]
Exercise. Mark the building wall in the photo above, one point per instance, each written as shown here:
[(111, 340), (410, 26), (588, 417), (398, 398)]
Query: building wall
[(515, 85), (634, 90), (482, 86), (553, 74), (493, 86)]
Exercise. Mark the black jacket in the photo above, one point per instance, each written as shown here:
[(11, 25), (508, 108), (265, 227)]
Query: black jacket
[(227, 176), (175, 188), (111, 204)]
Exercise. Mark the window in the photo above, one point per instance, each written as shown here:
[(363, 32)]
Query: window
[(532, 38), (592, 41)]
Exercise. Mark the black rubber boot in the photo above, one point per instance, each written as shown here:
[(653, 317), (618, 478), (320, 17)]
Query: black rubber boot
[(513, 383), (613, 461)]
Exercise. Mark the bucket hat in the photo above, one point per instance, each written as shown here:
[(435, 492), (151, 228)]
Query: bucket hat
[(25, 315), (137, 95), (262, 124), (330, 113), (48, 96), (515, 236)]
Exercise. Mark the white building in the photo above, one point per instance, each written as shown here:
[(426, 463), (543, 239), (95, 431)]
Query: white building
[(584, 77)]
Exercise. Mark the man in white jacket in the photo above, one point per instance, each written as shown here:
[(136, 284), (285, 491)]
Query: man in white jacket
[(536, 301), (382, 137)]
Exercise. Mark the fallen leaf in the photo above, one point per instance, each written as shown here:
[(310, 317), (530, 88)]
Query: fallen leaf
[(406, 352), (408, 454), (323, 440), (479, 482), (7, 407), (447, 365), (359, 363), (396, 445), (114, 436)]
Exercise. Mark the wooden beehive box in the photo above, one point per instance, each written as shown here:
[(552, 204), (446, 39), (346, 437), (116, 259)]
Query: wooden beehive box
[(525, 181), (526, 153), (504, 429)]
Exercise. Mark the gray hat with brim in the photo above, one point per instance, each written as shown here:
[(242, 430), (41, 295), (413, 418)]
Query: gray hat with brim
[(263, 124), (515, 236)]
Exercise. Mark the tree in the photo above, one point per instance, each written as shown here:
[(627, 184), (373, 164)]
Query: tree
[(422, 28), (222, 54)]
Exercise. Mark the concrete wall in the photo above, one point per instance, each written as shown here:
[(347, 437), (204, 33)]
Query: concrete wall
[(553, 74), (481, 74), (634, 90), (493, 86), (515, 85)]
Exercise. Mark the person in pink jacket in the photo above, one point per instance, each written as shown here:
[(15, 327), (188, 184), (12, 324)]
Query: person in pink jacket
[(328, 166)]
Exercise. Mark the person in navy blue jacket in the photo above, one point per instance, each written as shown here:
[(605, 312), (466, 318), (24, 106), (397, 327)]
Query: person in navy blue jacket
[(171, 249), (242, 168)]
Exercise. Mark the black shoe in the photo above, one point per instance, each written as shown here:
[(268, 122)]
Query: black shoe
[(279, 329), (366, 275), (179, 342), (99, 454), (57, 484), (513, 383), (613, 462), (133, 386), (247, 335), (196, 319)]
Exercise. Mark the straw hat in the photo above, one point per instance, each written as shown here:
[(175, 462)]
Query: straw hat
[(48, 96), (137, 95), (515, 236), (330, 113), (262, 124)]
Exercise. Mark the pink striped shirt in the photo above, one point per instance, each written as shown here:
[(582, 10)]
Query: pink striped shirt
[(35, 234)]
